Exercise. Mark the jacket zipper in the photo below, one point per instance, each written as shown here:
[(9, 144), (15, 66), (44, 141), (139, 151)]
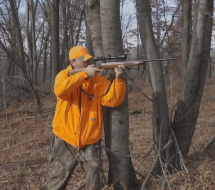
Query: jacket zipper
[(77, 133)]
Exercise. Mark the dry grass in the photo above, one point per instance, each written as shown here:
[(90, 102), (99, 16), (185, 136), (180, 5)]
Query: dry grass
[(24, 143)]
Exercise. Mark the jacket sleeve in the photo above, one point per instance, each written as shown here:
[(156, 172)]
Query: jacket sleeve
[(116, 93), (64, 84)]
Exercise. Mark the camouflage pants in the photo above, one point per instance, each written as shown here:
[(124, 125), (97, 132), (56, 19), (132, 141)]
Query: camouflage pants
[(63, 159)]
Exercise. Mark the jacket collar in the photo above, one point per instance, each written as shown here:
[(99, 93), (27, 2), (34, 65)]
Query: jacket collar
[(70, 67)]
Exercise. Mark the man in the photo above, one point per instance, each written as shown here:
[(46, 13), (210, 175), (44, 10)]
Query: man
[(77, 124)]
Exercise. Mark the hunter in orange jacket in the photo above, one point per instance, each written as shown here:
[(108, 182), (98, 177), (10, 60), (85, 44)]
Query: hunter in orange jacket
[(78, 117), (77, 124)]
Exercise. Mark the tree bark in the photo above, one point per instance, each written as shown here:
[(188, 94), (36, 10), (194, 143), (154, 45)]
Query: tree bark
[(29, 41), (64, 55), (187, 27), (21, 53), (79, 27), (89, 40), (117, 127), (55, 68), (45, 56), (33, 37), (93, 21), (193, 83), (160, 107)]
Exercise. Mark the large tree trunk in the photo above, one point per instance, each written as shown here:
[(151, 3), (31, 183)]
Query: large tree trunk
[(187, 27), (194, 79), (89, 40), (55, 68), (119, 165), (79, 26), (160, 108), (93, 21), (64, 55), (117, 129), (158, 22)]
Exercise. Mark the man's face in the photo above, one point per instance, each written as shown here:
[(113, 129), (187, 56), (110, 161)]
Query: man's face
[(79, 63)]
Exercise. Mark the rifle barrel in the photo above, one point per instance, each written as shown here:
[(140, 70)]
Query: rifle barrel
[(112, 65), (152, 60)]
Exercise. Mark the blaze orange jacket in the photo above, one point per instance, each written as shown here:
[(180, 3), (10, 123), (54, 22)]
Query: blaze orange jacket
[(78, 118)]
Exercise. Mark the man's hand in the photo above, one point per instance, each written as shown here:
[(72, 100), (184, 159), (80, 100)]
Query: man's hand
[(120, 71), (91, 71)]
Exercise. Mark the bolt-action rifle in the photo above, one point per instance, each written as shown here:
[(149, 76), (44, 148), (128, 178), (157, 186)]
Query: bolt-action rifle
[(112, 65)]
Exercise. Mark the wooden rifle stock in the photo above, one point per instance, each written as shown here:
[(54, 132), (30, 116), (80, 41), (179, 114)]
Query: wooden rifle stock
[(112, 65)]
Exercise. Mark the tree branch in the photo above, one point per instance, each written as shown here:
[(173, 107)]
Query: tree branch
[(171, 23)]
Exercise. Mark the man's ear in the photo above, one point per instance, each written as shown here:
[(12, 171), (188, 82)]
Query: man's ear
[(71, 61)]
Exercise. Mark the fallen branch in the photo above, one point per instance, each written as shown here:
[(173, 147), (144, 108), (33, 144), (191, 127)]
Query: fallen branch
[(135, 112), (16, 145), (210, 146), (149, 174), (27, 110), (171, 23), (153, 166), (138, 88), (138, 173), (120, 154), (180, 155), (81, 187)]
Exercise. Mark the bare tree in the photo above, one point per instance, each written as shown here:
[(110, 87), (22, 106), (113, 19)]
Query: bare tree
[(32, 38), (64, 55), (46, 45), (195, 67), (116, 123), (7, 39), (55, 65), (116, 128), (195, 73), (93, 21), (187, 30), (89, 40), (21, 53), (160, 108)]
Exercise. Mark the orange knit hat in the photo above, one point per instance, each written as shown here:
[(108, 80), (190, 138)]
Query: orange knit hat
[(79, 51)]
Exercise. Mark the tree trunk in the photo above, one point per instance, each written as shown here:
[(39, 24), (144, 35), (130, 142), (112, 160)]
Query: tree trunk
[(29, 41), (89, 40), (79, 27), (160, 108), (55, 68), (45, 56), (158, 24), (121, 171), (64, 56), (117, 129), (33, 39), (21, 53), (93, 21), (194, 79), (187, 27)]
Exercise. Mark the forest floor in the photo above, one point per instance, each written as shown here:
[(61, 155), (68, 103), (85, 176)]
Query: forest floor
[(24, 143)]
